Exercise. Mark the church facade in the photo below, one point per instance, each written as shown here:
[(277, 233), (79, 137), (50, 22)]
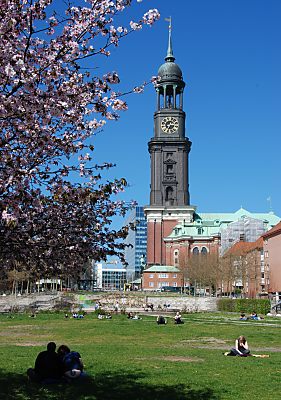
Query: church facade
[(175, 230), (169, 149)]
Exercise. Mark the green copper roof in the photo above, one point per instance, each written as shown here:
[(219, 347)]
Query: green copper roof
[(162, 268), (211, 224)]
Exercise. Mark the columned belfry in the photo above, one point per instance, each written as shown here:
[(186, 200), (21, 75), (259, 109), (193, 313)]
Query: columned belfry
[(169, 149)]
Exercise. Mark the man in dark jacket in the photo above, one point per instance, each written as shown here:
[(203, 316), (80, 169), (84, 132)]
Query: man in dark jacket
[(48, 366)]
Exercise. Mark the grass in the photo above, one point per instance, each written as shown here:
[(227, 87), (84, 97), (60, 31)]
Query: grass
[(140, 360)]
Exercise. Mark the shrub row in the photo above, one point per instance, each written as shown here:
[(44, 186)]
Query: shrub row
[(247, 306)]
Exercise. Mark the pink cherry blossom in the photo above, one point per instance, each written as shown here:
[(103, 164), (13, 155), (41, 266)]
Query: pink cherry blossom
[(55, 207)]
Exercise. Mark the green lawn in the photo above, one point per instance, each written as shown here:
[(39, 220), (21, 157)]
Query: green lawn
[(140, 360)]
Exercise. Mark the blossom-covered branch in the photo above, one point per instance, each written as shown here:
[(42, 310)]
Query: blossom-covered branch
[(52, 208)]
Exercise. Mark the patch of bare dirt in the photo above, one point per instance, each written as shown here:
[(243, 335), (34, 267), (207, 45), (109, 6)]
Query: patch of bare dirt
[(182, 359), (31, 344), (205, 340), (172, 358)]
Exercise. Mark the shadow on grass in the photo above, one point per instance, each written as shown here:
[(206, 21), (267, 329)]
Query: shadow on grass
[(102, 387)]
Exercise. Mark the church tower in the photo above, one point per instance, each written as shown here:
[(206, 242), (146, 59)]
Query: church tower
[(169, 149)]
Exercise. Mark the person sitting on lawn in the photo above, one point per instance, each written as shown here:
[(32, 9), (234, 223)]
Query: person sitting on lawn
[(48, 366), (241, 348), (71, 361), (178, 319), (161, 320)]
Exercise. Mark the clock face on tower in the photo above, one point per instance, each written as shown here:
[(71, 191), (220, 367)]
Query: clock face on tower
[(169, 124)]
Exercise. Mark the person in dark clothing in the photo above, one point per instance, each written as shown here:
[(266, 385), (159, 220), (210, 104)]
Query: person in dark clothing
[(241, 348), (48, 366), (161, 320)]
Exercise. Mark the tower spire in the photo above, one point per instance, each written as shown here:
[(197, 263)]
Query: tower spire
[(170, 56)]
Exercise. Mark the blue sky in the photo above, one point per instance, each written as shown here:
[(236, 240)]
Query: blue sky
[(229, 52)]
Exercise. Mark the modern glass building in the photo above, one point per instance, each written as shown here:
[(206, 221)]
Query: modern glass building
[(109, 278), (136, 256)]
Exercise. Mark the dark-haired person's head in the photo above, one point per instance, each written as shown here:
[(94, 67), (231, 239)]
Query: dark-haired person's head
[(51, 346), (63, 349)]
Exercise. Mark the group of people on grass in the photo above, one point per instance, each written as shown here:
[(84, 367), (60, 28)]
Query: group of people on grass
[(253, 316), (64, 365), (163, 321), (53, 366), (135, 316)]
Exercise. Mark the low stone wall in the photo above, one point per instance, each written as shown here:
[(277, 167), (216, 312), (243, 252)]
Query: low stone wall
[(127, 301), (163, 302), (27, 302), (184, 303)]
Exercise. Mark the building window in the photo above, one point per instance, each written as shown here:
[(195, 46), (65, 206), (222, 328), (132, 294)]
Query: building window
[(151, 275), (169, 168), (175, 284), (151, 284), (204, 250), (175, 275), (176, 257), (163, 275), (169, 195), (195, 251)]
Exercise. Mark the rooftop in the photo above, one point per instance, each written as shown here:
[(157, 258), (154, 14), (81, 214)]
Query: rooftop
[(211, 224), (162, 268)]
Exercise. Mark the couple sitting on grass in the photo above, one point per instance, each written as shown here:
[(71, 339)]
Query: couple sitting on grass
[(55, 367)]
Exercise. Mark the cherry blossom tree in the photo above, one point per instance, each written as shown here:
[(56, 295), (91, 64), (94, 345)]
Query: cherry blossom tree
[(55, 207)]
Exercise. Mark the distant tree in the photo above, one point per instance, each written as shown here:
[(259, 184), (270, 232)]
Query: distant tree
[(55, 208), (201, 271)]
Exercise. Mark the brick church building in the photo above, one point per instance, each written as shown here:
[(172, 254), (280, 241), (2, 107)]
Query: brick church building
[(175, 229)]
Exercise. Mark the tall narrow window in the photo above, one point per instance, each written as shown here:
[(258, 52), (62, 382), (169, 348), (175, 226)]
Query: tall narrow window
[(169, 168), (169, 195), (176, 257)]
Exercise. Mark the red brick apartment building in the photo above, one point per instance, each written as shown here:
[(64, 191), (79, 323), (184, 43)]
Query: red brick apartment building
[(157, 276), (272, 259)]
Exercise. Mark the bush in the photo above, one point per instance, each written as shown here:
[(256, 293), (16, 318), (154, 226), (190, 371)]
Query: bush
[(260, 306)]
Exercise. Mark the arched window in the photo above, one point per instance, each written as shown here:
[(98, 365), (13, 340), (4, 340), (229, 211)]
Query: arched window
[(195, 251), (204, 250)]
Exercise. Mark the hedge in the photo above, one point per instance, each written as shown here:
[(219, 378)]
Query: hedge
[(246, 306)]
